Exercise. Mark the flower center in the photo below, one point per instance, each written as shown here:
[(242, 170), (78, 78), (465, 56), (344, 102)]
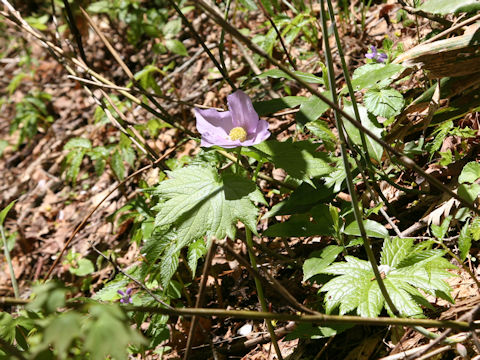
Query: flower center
[(238, 133)]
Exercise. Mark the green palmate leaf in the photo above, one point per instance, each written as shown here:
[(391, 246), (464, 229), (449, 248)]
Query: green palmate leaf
[(198, 202), (395, 251), (298, 159), (470, 173), (74, 160), (355, 286), (7, 327), (319, 261), (375, 150), (373, 75), (441, 133), (383, 102), (109, 291), (445, 7), (169, 263), (372, 228)]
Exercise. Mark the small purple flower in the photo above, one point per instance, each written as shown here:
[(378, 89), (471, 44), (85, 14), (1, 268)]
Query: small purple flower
[(239, 126), (126, 298), (375, 55)]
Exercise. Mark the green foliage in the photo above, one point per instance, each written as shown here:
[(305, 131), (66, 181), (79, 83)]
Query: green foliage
[(312, 109), (470, 173), (445, 7), (116, 156), (32, 114), (277, 73), (320, 129), (194, 202), (299, 159), (92, 331), (405, 267), (375, 150), (372, 229), (320, 261), (301, 225), (374, 75), (384, 102), (78, 265)]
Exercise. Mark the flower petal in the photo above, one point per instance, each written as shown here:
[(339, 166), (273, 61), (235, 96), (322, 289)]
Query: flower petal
[(261, 134), (243, 113), (208, 141), (382, 57), (213, 122), (121, 292)]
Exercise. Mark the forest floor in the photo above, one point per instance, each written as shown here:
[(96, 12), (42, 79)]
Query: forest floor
[(48, 208)]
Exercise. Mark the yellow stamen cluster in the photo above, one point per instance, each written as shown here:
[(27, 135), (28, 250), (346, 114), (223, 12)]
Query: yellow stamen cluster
[(238, 133)]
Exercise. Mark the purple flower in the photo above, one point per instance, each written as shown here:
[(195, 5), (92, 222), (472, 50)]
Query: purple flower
[(126, 298), (239, 126), (375, 55)]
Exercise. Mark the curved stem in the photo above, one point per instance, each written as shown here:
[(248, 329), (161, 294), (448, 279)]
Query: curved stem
[(346, 164)]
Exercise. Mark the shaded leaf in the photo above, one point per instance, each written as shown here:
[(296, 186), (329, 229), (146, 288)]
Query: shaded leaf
[(316, 264), (299, 159), (372, 228), (383, 102), (375, 150), (470, 173)]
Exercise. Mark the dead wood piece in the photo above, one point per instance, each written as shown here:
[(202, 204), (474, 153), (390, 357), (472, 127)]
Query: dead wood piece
[(457, 56)]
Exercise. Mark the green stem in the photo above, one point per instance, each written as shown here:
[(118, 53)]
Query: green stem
[(9, 261), (238, 165), (261, 297), (346, 164), (321, 319)]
